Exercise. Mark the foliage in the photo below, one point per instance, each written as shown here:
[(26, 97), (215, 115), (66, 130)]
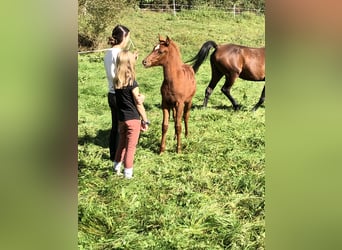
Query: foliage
[(256, 4), (95, 17), (212, 195)]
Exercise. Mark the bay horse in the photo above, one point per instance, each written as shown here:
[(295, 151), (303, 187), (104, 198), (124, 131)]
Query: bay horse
[(177, 89), (232, 61)]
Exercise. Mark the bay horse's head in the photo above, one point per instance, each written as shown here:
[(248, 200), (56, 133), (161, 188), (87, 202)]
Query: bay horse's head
[(160, 53)]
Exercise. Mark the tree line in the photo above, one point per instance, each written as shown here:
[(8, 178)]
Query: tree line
[(94, 16), (245, 4)]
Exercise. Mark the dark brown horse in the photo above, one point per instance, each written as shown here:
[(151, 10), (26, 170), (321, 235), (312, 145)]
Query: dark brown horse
[(178, 87), (232, 61)]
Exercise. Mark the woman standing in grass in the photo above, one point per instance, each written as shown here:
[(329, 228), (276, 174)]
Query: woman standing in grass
[(119, 40), (130, 112)]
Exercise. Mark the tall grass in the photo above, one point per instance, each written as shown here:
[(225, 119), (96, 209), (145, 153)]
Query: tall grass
[(211, 196)]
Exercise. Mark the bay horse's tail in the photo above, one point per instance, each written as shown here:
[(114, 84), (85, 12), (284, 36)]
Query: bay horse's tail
[(202, 55)]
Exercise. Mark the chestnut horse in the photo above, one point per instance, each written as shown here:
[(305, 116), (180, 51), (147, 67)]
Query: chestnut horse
[(232, 61), (177, 89)]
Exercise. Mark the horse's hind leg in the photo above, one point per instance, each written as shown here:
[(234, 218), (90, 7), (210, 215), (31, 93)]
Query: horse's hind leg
[(261, 100), (216, 75), (226, 90), (186, 116), (178, 124)]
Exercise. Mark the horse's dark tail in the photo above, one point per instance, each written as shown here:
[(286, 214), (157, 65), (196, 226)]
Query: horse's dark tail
[(202, 55)]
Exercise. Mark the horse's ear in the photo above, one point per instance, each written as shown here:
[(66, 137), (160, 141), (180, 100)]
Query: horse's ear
[(167, 41), (160, 38)]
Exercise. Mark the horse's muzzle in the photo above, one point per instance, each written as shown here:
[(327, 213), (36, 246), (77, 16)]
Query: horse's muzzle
[(144, 62)]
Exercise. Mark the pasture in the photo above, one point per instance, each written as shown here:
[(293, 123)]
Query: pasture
[(212, 194)]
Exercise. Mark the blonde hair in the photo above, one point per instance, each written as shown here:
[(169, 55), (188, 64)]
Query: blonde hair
[(125, 69)]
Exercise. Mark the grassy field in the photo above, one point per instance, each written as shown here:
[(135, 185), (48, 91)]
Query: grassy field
[(211, 196)]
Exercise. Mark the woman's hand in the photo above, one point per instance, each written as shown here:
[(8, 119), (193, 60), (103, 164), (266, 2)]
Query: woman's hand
[(144, 125)]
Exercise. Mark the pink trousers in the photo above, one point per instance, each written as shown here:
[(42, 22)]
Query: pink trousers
[(128, 140)]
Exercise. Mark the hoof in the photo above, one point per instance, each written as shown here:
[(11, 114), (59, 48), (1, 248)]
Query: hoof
[(256, 107), (237, 107)]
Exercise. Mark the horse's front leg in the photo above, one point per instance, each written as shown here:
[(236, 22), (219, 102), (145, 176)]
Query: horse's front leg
[(174, 120), (261, 100), (178, 124), (165, 125)]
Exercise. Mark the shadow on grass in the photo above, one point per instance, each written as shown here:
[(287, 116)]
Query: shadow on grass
[(242, 108), (101, 138), (218, 107), (149, 141)]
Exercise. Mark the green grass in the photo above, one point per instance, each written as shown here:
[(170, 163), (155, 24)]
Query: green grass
[(211, 196)]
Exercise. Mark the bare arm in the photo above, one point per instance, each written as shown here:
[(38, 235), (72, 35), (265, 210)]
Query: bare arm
[(138, 98)]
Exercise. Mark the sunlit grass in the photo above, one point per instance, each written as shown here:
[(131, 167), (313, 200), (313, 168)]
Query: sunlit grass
[(211, 196)]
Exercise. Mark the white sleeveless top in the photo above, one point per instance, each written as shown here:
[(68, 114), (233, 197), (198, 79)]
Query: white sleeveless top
[(110, 66)]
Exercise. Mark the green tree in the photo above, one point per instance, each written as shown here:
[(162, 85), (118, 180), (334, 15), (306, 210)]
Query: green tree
[(94, 16)]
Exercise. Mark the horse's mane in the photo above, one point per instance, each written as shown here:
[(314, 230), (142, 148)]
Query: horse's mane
[(176, 50), (176, 47)]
